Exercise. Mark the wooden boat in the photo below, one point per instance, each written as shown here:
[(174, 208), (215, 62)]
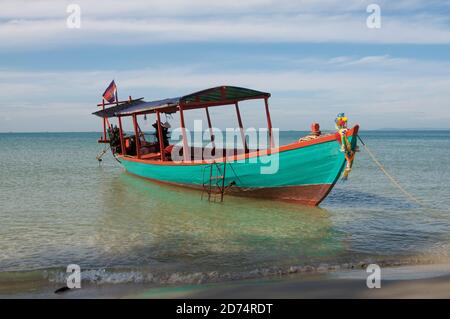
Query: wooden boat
[(307, 169)]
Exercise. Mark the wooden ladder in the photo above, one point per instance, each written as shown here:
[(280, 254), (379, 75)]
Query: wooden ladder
[(214, 186)]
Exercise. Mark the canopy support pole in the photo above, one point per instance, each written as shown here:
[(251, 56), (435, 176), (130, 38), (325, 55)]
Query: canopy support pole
[(241, 128), (186, 150), (122, 143), (137, 137), (160, 136), (104, 120), (211, 133), (269, 122)]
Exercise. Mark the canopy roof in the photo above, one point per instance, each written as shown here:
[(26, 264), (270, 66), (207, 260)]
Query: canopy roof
[(221, 95)]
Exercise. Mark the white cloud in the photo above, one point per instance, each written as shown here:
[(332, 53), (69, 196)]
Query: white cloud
[(396, 93), (42, 23), (378, 90), (38, 9)]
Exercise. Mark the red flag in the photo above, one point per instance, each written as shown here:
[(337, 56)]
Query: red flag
[(110, 94)]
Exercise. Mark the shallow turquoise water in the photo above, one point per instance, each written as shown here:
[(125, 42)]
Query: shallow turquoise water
[(58, 206)]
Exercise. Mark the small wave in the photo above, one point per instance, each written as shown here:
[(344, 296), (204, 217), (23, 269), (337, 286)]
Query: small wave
[(124, 276)]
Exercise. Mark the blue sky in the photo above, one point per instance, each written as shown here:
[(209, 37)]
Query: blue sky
[(317, 58)]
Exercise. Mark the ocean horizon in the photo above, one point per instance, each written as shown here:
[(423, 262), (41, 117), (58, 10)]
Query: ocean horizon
[(324, 129)]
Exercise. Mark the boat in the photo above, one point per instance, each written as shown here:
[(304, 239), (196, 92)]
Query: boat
[(306, 171)]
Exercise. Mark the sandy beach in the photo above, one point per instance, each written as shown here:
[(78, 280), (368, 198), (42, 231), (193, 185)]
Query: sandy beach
[(427, 281)]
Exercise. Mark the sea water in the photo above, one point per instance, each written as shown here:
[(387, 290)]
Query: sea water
[(58, 206)]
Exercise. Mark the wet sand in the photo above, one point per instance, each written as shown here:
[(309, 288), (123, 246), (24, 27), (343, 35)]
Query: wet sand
[(430, 281)]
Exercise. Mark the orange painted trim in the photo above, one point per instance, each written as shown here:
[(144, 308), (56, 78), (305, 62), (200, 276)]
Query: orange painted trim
[(296, 145)]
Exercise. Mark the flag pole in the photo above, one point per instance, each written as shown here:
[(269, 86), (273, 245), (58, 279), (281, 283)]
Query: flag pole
[(117, 95)]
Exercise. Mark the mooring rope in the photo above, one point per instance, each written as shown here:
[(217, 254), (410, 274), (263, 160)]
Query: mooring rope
[(436, 213), (391, 178), (101, 153), (234, 172)]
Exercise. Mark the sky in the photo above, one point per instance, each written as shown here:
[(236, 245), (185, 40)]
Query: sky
[(316, 58)]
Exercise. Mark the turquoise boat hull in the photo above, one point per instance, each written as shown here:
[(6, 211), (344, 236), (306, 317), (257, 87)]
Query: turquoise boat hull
[(302, 172)]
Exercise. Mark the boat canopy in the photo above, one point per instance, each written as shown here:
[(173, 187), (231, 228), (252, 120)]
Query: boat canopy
[(221, 95)]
